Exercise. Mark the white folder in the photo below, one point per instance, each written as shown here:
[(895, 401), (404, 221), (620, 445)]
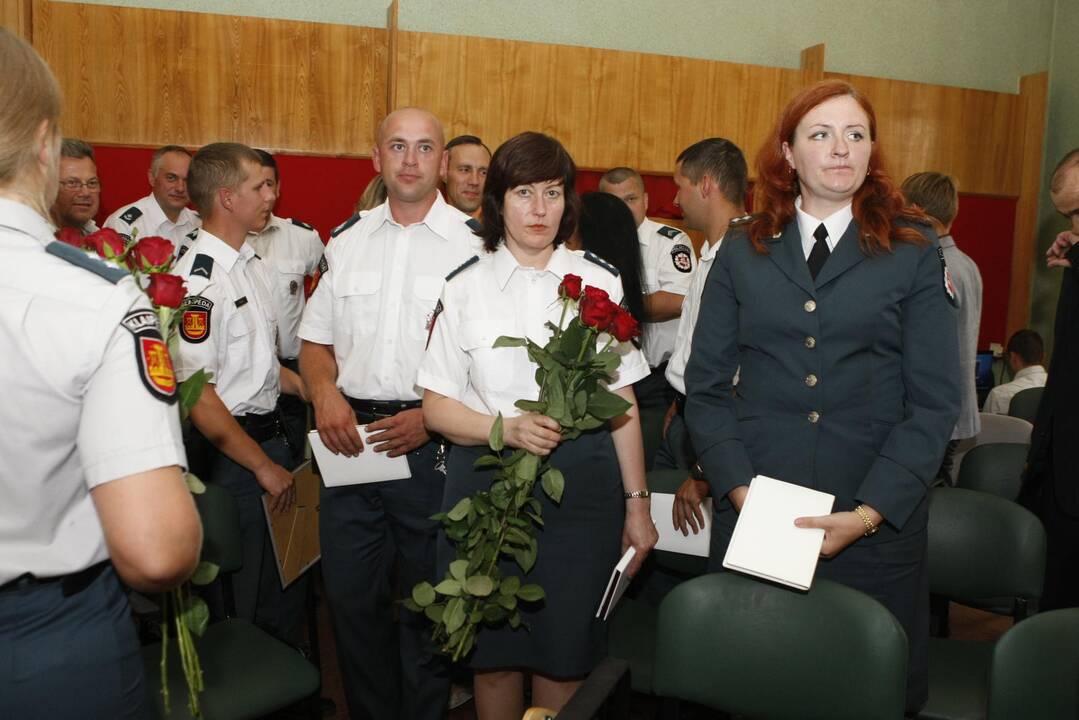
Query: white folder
[(367, 467), (672, 539)]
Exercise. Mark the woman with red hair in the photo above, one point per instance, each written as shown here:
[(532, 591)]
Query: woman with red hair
[(836, 304)]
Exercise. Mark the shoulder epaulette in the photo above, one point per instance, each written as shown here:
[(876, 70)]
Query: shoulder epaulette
[(474, 224), (668, 231), (744, 220), (131, 215), (593, 258), (301, 223), (75, 256), (345, 225), (193, 235), (183, 250), (463, 266), (203, 266)]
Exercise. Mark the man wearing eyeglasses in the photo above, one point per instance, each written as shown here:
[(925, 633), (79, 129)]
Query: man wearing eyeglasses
[(79, 198), (164, 211)]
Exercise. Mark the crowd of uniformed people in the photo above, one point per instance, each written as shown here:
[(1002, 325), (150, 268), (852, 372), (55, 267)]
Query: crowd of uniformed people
[(815, 341)]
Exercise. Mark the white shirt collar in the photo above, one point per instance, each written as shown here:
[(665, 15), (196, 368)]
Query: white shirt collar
[(220, 251), (439, 219), (1029, 370), (26, 220), (505, 264), (272, 226), (836, 224), (156, 215)]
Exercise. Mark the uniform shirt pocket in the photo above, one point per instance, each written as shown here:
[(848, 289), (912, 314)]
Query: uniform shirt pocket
[(290, 278), (492, 368), (358, 295)]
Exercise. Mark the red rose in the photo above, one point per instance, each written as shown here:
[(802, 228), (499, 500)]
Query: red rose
[(106, 242), (166, 290), (597, 310), (570, 287), (151, 252), (624, 327), (70, 235)]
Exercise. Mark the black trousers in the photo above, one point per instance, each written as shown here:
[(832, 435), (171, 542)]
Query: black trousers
[(1061, 588), (70, 657), (378, 540), (294, 416), (653, 390)]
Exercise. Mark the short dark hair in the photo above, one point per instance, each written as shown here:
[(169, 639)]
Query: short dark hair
[(530, 157), (935, 193), (267, 160), (215, 166), (618, 175), (721, 160), (607, 228), (1069, 161), (76, 149), (1028, 345), (466, 140), (155, 161)]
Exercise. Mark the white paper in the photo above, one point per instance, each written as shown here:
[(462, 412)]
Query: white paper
[(367, 467), (671, 539), (616, 586), (766, 543)]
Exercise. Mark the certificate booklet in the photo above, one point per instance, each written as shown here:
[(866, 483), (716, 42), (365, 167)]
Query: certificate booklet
[(367, 467), (672, 539), (616, 586), (766, 543), (294, 534)]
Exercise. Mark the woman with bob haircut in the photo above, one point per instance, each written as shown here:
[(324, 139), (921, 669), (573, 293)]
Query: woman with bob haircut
[(529, 209), (836, 304)]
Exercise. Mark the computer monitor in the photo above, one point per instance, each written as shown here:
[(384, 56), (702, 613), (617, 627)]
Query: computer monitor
[(983, 372)]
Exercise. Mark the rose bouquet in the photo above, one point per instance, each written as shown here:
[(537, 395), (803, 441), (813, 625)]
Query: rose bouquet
[(149, 260), (499, 523)]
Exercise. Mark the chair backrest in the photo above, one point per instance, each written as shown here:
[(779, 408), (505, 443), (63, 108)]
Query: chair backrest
[(1034, 673), (983, 546), (668, 481), (1003, 429), (748, 647), (995, 468), (221, 538), (1025, 403)]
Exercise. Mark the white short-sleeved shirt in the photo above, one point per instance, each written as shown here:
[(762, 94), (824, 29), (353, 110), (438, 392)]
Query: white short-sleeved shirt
[(228, 326), (375, 300), (495, 296), (667, 260), (1000, 398), (88, 397), (147, 218), (290, 250), (691, 307)]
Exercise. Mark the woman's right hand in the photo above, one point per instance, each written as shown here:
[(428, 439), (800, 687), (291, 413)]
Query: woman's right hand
[(537, 434)]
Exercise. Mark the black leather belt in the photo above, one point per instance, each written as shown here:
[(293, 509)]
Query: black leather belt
[(71, 584), (261, 427), (382, 408)]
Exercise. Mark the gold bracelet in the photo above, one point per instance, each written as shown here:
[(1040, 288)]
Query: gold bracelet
[(636, 494), (870, 527)]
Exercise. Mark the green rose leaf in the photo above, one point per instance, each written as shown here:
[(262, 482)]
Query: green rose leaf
[(479, 585), (196, 615), (507, 601), (553, 483), (204, 574), (459, 570), (509, 585), (575, 337), (588, 422), (507, 341), (526, 469), (190, 390), (530, 593), (486, 461), (454, 617), (423, 594), (435, 612), (525, 557), (460, 510), (494, 614), (556, 396), (410, 604), (607, 361), (495, 438), (515, 620), (605, 404), (448, 587), (533, 406)]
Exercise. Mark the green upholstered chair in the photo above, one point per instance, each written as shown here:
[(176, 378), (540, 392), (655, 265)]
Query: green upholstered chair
[(247, 673), (750, 648), (995, 468), (980, 546), (1025, 403), (1034, 673)]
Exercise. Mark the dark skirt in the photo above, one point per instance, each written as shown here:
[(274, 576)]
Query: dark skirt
[(578, 546)]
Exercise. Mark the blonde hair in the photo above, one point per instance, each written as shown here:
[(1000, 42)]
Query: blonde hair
[(216, 166), (373, 195), (29, 95)]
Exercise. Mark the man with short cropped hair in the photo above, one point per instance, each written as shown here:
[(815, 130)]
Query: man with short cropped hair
[(164, 211), (668, 260), (466, 173), (1024, 357), (79, 197)]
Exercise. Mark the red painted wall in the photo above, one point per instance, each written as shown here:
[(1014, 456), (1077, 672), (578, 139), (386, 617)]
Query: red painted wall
[(323, 191)]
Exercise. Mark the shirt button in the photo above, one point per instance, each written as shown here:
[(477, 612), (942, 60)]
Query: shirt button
[(811, 380), (813, 417), (810, 305), (811, 342)]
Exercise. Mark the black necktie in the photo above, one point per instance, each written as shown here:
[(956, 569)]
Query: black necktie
[(820, 252)]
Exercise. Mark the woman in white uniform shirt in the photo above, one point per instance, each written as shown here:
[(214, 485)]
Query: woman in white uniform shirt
[(529, 209)]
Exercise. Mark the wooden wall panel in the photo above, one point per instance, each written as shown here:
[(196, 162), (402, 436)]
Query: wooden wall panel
[(16, 16), (970, 134), (150, 77), (608, 107)]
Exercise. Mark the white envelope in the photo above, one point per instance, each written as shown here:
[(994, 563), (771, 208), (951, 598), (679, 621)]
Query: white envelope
[(367, 467), (671, 539), (766, 543)]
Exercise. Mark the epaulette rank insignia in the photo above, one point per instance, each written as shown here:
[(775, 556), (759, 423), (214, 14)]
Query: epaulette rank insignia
[(668, 231), (463, 266), (203, 266), (596, 259), (301, 223), (75, 256), (131, 215), (345, 225)]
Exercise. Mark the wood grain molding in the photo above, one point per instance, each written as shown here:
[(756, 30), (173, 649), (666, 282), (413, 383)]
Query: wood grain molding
[(812, 64), (17, 16)]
